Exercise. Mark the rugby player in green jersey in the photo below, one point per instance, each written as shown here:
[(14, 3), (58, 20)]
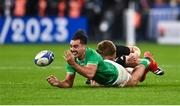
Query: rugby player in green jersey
[(88, 63)]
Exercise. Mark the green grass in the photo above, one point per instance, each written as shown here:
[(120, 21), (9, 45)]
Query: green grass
[(22, 82)]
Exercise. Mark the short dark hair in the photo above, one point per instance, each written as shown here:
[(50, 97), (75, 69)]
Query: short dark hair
[(80, 35), (106, 48)]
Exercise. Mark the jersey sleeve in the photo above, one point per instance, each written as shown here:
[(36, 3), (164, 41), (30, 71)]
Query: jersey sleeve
[(70, 69), (122, 50), (93, 59)]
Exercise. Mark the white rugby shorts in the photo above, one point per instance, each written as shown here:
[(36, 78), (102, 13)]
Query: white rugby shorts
[(123, 75)]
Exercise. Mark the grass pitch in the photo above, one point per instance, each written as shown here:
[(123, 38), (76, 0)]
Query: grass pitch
[(24, 83)]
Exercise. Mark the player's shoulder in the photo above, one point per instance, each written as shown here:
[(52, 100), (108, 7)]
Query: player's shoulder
[(121, 46), (122, 50), (91, 52)]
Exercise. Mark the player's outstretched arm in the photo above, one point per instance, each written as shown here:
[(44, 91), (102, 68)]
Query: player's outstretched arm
[(88, 71), (67, 83)]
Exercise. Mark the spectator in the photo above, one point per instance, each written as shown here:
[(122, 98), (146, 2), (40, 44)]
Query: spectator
[(118, 25), (93, 11), (32, 8), (61, 7), (116, 7), (75, 8), (42, 6), (142, 7), (19, 7)]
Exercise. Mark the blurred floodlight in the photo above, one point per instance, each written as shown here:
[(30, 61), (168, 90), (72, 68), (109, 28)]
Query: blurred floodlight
[(104, 26)]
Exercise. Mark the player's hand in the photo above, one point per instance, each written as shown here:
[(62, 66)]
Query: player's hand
[(52, 80), (69, 57), (132, 58)]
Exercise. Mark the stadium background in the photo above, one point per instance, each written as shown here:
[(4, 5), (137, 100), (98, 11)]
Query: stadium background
[(29, 26), (102, 19)]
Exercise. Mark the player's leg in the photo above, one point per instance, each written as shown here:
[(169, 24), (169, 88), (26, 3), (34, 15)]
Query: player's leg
[(127, 79), (139, 72), (137, 75), (129, 69), (153, 67)]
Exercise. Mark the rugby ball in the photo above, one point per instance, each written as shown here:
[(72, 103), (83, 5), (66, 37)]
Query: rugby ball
[(44, 58)]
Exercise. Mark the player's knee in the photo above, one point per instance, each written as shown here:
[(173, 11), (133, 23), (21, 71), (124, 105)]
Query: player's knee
[(132, 83)]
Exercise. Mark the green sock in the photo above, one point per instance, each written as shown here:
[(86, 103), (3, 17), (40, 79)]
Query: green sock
[(145, 62)]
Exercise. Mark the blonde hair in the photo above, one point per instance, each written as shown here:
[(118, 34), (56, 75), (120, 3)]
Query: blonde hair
[(106, 48)]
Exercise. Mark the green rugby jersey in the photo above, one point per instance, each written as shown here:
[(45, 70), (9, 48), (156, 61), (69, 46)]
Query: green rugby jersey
[(106, 72)]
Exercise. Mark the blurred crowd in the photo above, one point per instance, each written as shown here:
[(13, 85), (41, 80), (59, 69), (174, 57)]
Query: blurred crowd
[(105, 17)]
